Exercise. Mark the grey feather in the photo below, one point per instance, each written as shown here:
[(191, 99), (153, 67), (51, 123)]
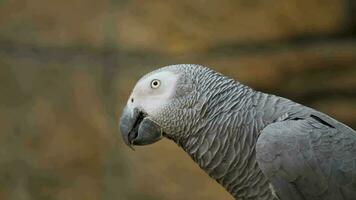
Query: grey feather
[(309, 158), (257, 145)]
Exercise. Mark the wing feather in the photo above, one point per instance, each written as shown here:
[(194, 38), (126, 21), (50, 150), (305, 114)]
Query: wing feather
[(315, 156)]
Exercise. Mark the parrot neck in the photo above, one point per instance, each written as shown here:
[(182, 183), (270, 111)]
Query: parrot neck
[(223, 141)]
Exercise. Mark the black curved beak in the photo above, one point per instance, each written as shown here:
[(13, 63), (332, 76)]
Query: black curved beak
[(137, 129)]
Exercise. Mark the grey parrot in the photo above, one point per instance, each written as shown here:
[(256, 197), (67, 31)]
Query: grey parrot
[(256, 145)]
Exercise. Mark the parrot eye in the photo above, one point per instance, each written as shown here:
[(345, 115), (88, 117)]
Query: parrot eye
[(155, 83)]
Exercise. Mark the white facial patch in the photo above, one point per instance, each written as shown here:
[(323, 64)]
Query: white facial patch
[(153, 91)]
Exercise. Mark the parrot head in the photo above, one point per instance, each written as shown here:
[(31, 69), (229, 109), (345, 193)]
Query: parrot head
[(160, 105)]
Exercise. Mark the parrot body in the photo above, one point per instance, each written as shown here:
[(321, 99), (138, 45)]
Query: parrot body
[(256, 145)]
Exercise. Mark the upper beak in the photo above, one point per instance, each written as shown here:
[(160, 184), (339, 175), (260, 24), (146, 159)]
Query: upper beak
[(137, 129)]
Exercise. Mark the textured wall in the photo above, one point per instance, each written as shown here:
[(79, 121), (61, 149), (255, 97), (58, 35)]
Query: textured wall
[(67, 68), (167, 25)]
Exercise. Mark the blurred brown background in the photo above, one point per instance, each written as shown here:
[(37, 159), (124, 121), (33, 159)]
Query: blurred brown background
[(67, 67)]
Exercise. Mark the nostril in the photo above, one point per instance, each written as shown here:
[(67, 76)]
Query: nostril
[(132, 100)]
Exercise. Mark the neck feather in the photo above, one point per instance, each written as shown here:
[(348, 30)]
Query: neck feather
[(223, 141)]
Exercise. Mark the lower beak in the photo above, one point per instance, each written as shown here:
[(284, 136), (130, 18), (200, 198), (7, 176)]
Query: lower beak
[(137, 129)]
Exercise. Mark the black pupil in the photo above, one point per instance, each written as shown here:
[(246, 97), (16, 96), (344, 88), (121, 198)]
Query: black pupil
[(155, 83)]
